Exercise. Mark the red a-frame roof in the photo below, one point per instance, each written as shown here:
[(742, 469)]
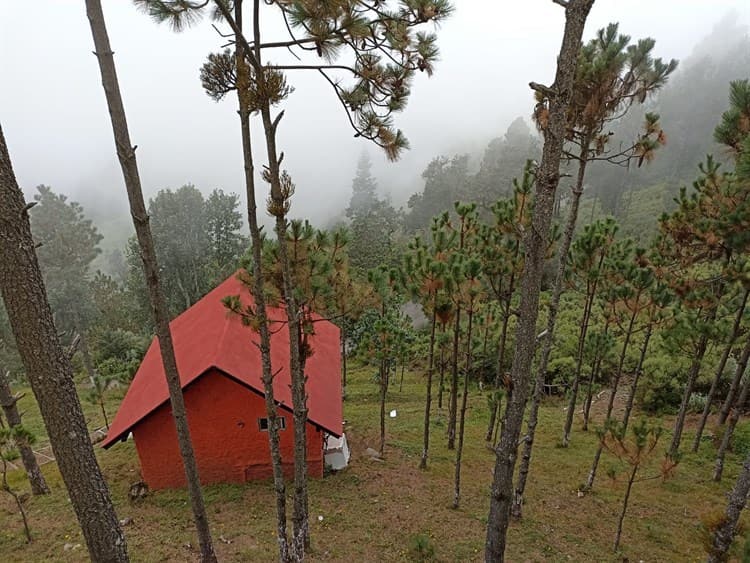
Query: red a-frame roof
[(208, 336)]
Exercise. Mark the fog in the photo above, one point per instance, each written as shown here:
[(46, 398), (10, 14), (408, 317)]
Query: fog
[(55, 119)]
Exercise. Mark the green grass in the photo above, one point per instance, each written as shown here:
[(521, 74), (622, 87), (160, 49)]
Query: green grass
[(373, 511)]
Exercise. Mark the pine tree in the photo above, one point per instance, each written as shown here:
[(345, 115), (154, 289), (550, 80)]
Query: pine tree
[(68, 244), (126, 155), (736, 411), (635, 452), (500, 246), (50, 373), (386, 330), (14, 435), (729, 343), (469, 286), (10, 409), (588, 262), (610, 77), (426, 270), (364, 188), (535, 246), (466, 229)]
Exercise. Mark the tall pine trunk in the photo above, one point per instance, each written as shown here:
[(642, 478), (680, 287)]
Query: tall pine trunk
[(495, 411), (453, 401), (590, 293), (612, 396), (725, 531), (428, 397), (590, 392), (126, 156), (736, 328), (462, 419), (259, 296), (441, 384), (579, 364), (279, 202), (735, 413), (625, 500), (636, 377), (10, 409), (383, 372), (553, 308), (595, 371), (535, 246), (50, 373), (695, 369)]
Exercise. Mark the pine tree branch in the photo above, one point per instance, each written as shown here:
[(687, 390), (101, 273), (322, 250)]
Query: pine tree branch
[(248, 52), (546, 91), (358, 132), (312, 67)]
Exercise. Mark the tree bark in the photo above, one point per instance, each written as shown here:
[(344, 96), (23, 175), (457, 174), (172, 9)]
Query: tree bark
[(428, 397), (695, 369), (625, 507), (462, 419), (50, 373), (554, 306), (129, 165), (259, 297), (735, 413), (535, 246), (300, 523), (724, 533), (10, 409)]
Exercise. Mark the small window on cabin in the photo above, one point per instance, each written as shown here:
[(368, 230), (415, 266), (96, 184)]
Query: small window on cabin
[(280, 423)]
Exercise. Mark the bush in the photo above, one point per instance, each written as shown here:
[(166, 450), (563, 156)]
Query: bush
[(697, 403), (562, 370), (741, 440), (661, 386), (421, 548)]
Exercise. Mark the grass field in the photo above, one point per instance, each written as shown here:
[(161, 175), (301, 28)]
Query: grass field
[(382, 510)]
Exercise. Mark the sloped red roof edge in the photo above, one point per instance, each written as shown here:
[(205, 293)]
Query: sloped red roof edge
[(122, 436)]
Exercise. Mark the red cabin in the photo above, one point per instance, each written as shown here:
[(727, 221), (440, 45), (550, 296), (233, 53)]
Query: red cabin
[(220, 370)]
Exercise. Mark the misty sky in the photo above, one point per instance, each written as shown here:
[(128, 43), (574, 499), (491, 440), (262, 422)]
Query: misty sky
[(55, 120)]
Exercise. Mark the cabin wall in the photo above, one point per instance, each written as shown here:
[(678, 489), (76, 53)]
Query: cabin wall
[(224, 425)]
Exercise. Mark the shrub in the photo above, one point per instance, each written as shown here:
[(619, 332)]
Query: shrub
[(661, 386), (697, 403), (741, 440), (562, 370), (421, 548)]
